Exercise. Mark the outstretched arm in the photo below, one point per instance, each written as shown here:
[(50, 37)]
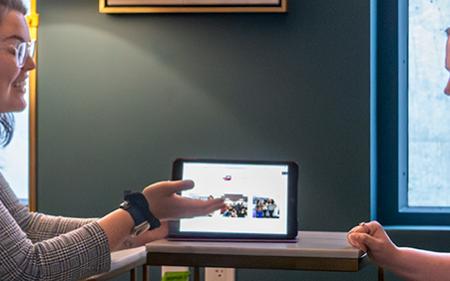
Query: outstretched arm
[(408, 263), (164, 203), (86, 250)]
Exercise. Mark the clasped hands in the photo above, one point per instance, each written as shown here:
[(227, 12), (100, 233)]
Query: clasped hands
[(370, 237)]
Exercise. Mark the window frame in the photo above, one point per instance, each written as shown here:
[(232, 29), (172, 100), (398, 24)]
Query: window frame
[(33, 23), (390, 123)]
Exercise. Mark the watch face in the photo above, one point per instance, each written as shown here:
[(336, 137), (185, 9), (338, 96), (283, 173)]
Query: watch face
[(141, 228), (125, 205)]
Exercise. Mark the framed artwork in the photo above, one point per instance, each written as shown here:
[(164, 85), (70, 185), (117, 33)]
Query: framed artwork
[(192, 6)]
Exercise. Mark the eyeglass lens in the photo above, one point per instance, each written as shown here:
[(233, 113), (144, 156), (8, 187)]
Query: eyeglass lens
[(24, 50)]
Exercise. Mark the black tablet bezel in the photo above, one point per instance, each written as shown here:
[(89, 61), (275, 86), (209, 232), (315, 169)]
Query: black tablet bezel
[(177, 172)]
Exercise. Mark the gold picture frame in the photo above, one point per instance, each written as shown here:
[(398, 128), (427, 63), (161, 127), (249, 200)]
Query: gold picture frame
[(192, 6)]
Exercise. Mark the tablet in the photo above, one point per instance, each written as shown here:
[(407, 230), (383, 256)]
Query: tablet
[(260, 198)]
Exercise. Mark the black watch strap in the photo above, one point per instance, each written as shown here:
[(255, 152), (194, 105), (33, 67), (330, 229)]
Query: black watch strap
[(136, 204)]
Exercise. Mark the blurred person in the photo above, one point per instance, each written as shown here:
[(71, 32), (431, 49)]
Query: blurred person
[(408, 263)]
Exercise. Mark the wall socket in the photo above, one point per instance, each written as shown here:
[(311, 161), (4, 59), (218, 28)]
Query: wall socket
[(220, 274)]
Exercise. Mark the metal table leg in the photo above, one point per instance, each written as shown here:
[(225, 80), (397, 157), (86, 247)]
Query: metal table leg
[(380, 274), (144, 272), (196, 273)]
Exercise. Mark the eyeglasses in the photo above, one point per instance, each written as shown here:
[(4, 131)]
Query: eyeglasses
[(22, 51)]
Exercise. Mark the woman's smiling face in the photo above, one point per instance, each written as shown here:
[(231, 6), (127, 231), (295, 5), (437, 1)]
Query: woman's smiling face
[(13, 31)]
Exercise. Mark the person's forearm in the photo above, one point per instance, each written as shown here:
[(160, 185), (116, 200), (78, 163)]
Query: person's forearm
[(417, 265), (136, 241), (117, 226), (41, 227)]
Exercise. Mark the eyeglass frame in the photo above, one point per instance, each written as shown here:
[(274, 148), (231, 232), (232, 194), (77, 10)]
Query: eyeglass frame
[(29, 52)]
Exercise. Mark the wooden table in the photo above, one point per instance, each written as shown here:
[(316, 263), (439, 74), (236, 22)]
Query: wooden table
[(317, 251)]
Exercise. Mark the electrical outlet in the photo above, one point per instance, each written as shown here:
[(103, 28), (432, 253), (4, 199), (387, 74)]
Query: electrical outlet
[(219, 274), (165, 269)]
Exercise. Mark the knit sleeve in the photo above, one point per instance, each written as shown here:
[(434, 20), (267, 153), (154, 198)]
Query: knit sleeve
[(37, 226), (72, 256)]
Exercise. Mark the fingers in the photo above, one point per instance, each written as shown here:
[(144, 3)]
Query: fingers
[(366, 227), (214, 204), (206, 207), (360, 228), (193, 207), (363, 241), (170, 187), (166, 203), (355, 242), (364, 235), (373, 227)]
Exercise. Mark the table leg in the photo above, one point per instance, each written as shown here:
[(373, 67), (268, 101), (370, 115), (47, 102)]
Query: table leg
[(144, 272), (196, 273), (133, 274), (380, 274)]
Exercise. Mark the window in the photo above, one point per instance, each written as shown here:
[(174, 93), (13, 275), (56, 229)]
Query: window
[(18, 158), (412, 167), (428, 106)]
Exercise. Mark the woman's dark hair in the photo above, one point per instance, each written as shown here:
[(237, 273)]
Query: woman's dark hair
[(6, 128), (7, 119)]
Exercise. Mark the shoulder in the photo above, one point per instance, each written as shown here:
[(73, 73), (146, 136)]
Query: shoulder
[(4, 185), (3, 181)]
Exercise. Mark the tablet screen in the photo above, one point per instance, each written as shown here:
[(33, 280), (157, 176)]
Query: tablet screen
[(256, 197)]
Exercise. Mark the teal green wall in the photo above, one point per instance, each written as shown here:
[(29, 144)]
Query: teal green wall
[(121, 96)]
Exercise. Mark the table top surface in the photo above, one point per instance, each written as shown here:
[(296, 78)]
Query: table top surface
[(309, 244), (127, 256)]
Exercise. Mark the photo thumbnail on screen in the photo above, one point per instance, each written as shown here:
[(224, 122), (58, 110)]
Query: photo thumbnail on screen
[(265, 207), (236, 206)]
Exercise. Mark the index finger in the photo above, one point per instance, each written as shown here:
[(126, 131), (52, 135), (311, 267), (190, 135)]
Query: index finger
[(201, 207), (356, 240), (373, 227), (171, 187), (210, 204), (361, 228)]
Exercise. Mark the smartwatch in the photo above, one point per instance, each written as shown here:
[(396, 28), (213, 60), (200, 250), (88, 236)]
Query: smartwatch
[(137, 206)]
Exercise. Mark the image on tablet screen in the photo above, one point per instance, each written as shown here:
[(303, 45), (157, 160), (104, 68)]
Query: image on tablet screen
[(265, 207), (255, 197), (236, 206)]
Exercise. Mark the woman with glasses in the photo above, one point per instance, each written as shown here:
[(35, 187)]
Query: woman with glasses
[(35, 246)]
